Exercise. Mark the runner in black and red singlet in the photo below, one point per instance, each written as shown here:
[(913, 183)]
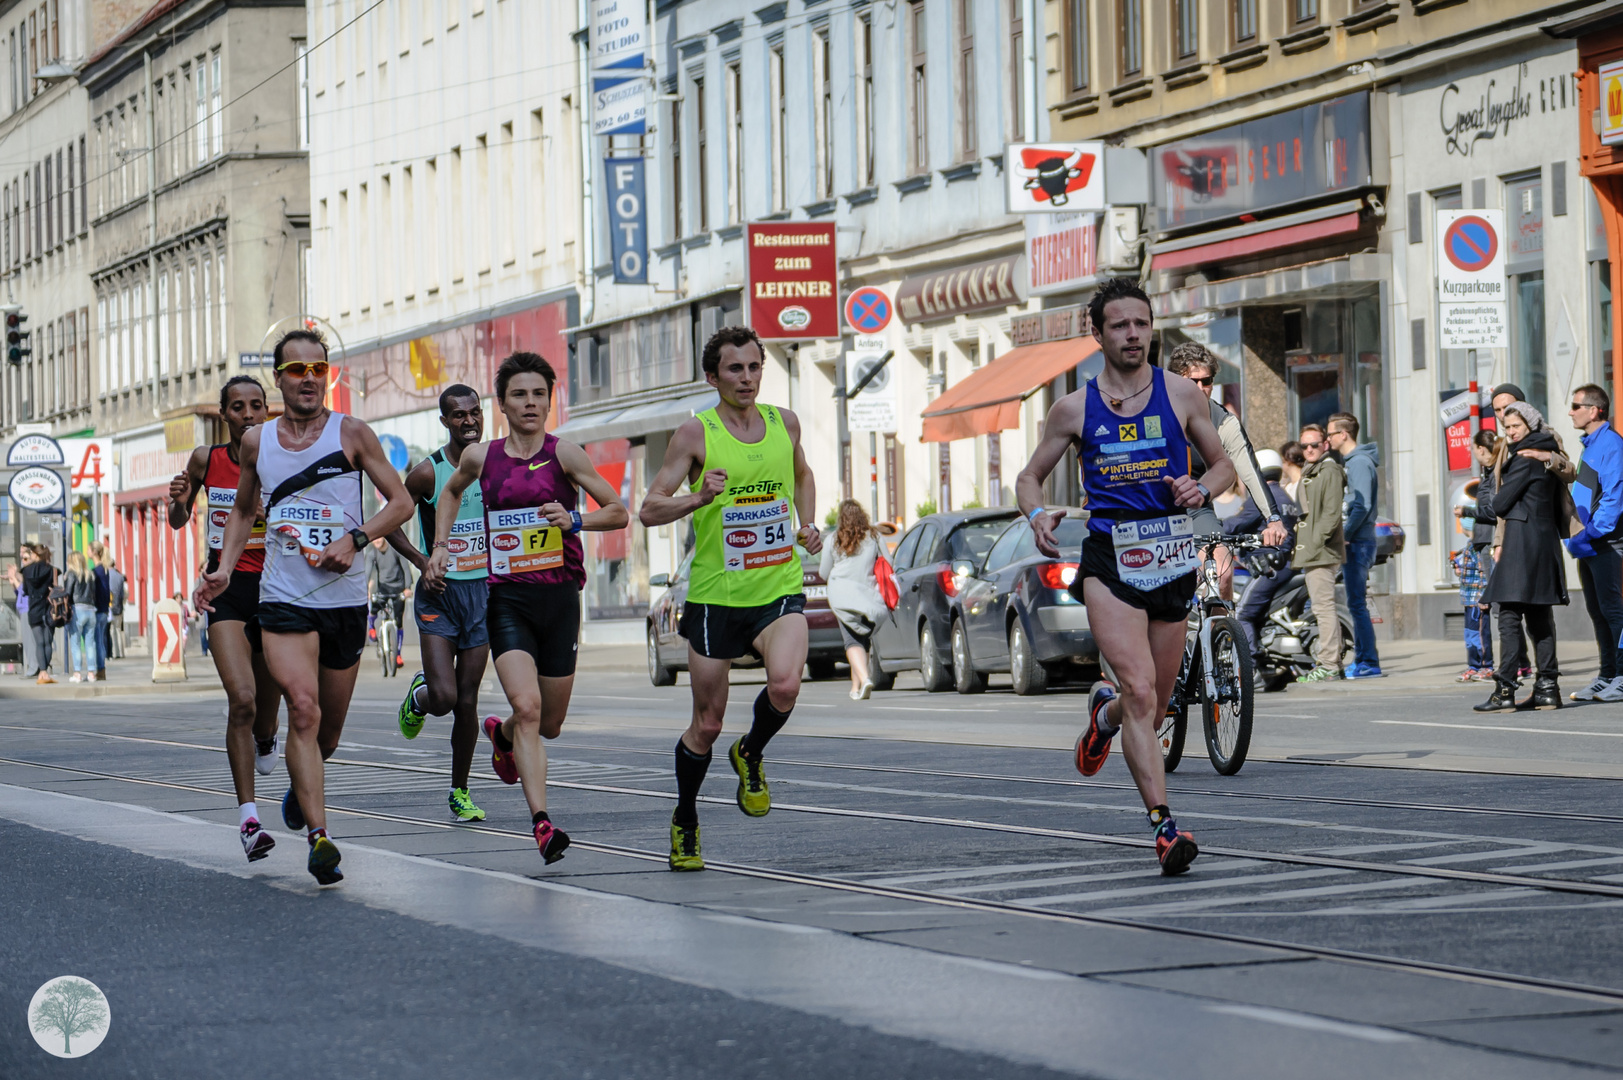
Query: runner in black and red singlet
[(528, 482), (252, 696)]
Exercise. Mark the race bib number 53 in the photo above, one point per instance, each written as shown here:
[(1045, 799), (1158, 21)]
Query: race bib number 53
[(522, 541), (1153, 553), (305, 530), (755, 533)]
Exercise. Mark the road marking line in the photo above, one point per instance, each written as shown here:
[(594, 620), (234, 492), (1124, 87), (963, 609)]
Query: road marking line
[(982, 871), (1484, 856), (1182, 886), (1305, 1022), (1496, 727), (1190, 906)]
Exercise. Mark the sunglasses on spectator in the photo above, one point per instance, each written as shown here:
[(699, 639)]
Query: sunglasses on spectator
[(299, 369), (1582, 405), (1313, 445)]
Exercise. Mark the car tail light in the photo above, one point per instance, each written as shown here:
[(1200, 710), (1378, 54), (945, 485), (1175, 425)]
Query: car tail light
[(948, 580), (1058, 575)]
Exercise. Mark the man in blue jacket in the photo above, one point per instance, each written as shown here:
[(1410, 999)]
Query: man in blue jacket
[(1598, 496), (1358, 523)]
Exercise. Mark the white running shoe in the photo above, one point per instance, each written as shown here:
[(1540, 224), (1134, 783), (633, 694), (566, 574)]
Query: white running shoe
[(1613, 690), (1593, 691), (862, 692), (265, 762)]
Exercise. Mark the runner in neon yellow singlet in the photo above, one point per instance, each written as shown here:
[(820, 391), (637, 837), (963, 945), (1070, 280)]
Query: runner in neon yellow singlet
[(747, 482)]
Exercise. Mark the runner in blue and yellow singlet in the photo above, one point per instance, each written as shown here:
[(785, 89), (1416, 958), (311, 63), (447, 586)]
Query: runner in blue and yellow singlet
[(1133, 426), (747, 480), (450, 618)]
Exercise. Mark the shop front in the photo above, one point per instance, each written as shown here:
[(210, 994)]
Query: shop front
[(633, 381), (157, 561)]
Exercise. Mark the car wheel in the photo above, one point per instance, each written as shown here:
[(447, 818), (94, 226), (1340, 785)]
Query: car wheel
[(658, 673), (1028, 676), (877, 675), (966, 680), (820, 669), (934, 673)]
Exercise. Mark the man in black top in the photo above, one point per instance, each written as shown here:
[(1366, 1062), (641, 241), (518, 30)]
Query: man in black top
[(38, 578)]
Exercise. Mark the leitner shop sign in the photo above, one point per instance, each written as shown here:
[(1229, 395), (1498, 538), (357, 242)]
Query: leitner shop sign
[(792, 291)]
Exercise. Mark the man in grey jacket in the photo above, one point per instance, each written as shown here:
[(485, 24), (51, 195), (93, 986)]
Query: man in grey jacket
[(1361, 463)]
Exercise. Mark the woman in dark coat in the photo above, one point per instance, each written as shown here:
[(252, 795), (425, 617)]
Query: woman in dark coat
[(1529, 574)]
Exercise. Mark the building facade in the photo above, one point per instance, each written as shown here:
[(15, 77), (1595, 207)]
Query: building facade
[(199, 215), (1298, 152), (445, 179), (888, 121)]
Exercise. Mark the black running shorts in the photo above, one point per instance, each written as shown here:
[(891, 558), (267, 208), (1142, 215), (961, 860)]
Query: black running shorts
[(1165, 603), (541, 619), (240, 603), (342, 631), (728, 633)]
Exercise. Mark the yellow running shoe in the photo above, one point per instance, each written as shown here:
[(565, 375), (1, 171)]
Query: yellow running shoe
[(754, 797), (685, 846)]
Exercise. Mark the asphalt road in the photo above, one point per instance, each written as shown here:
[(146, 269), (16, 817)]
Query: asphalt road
[(1392, 885)]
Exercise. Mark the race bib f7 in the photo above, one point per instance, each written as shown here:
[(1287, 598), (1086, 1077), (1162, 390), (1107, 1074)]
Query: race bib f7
[(522, 541)]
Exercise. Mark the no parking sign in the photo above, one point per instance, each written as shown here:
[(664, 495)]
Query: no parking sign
[(1471, 279)]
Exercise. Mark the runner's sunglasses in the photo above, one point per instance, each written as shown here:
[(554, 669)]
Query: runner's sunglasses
[(299, 369)]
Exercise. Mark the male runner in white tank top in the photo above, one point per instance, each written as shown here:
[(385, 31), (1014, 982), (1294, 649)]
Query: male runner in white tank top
[(312, 611)]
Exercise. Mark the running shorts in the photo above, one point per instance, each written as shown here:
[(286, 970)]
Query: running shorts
[(728, 633), (543, 619), (457, 613), (1165, 603), (240, 603), (342, 630)]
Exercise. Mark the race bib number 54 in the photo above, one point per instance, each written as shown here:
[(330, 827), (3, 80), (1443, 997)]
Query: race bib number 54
[(755, 533), (521, 541), (1153, 553)]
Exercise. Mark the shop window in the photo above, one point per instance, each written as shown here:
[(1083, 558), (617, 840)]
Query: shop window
[(1601, 270), (1524, 220), (1527, 338)]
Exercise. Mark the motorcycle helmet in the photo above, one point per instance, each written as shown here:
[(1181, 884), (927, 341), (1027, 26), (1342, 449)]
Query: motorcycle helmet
[(1271, 464)]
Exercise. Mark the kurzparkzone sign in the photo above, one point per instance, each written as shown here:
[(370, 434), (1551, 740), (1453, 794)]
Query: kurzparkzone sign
[(1471, 310)]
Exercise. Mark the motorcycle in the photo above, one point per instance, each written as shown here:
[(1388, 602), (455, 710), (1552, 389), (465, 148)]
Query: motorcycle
[(1288, 639)]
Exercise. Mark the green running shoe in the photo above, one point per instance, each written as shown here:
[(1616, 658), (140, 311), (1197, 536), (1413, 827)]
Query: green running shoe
[(1320, 674), (754, 797), (462, 807), (411, 721), (685, 846), (323, 863)]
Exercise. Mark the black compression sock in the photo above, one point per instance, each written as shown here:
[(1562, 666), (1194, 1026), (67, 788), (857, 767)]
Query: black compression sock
[(690, 770), (768, 722), (538, 817), (1161, 819), (503, 743)]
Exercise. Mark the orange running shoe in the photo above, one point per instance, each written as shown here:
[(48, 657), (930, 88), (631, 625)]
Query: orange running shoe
[(1093, 745), (1176, 850)]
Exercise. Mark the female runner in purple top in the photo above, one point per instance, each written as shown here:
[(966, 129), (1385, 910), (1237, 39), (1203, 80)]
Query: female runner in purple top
[(532, 540)]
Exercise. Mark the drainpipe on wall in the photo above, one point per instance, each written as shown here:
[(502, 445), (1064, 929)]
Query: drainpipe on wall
[(1028, 74), (587, 256), (152, 228)]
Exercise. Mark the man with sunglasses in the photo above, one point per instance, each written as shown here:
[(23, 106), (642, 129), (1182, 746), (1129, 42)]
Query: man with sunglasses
[(1321, 546), (1598, 498), (1196, 363), (312, 592)]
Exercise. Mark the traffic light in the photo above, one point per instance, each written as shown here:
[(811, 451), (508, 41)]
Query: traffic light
[(16, 336)]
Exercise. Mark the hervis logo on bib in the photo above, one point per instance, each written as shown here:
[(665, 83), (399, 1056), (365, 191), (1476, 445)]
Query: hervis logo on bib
[(740, 538), (1136, 558), (219, 517), (504, 541)]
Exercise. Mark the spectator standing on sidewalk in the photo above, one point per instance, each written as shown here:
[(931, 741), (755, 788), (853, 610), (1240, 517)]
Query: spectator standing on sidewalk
[(847, 566), (1321, 546), (81, 628), (1290, 470), (1597, 496), (98, 569), (14, 577), (115, 610), (1530, 575), (1467, 563), (1361, 463), (39, 576)]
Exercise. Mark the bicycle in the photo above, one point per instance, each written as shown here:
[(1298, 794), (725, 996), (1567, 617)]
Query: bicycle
[(1216, 670), (388, 632)]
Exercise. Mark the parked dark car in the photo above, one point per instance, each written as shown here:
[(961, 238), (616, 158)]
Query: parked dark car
[(668, 651), (932, 561), (1015, 613)]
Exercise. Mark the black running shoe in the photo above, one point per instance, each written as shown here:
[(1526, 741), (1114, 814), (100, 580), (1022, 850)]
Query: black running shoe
[(323, 863), (292, 815)]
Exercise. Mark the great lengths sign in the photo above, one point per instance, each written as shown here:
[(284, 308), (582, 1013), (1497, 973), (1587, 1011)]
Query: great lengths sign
[(792, 291)]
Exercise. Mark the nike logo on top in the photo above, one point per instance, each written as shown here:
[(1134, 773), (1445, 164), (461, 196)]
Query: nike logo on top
[(538, 464)]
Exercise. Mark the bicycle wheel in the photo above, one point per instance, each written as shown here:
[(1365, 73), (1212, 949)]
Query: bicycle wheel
[(1227, 721)]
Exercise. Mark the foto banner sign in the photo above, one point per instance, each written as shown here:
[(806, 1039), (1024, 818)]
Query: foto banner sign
[(619, 45), (1055, 178), (793, 295), (875, 409), (628, 219)]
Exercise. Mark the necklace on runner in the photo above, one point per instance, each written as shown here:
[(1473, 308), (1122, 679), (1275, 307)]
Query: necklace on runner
[(1116, 403)]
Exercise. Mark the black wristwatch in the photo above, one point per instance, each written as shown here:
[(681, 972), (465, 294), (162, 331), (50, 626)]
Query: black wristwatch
[(359, 538)]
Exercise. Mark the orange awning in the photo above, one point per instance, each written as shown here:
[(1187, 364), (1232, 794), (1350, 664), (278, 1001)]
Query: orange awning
[(989, 400)]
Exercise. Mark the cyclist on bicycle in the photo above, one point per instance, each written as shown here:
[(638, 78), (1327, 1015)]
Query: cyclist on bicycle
[(388, 584), (1196, 363)]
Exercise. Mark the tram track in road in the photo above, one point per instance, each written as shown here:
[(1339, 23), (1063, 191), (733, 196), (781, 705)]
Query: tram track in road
[(1508, 980), (1580, 886)]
